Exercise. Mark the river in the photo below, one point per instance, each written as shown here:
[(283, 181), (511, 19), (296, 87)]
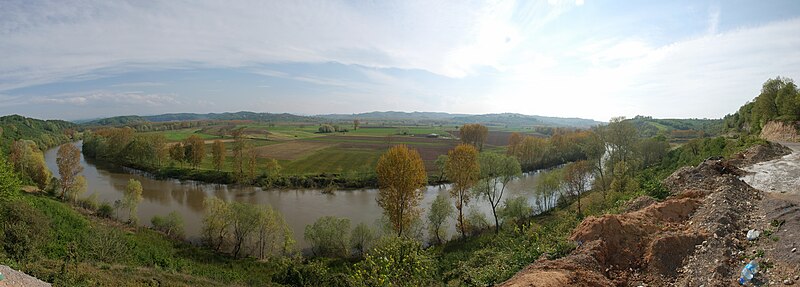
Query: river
[(300, 207)]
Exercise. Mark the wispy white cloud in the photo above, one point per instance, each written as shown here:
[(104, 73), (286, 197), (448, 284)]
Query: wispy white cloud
[(103, 97), (707, 76), (554, 57), (138, 84), (47, 41)]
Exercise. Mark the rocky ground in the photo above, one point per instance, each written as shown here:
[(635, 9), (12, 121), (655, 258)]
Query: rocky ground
[(697, 237), (18, 279)]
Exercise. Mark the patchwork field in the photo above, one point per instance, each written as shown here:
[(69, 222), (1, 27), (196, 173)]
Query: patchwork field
[(301, 150)]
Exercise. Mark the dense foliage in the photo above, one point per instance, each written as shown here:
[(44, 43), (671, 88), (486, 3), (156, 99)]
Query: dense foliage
[(779, 100), (45, 133), (676, 129)]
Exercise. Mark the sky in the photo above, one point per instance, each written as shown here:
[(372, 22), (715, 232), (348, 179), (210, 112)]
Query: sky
[(591, 59)]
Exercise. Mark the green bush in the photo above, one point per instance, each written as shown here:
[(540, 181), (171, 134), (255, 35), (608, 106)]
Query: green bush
[(329, 236), (9, 182), (515, 210), (105, 210), (89, 203), (395, 261), (24, 229), (171, 225), (107, 245)]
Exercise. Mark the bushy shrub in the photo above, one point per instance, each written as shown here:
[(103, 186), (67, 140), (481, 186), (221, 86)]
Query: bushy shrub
[(105, 210), (515, 210), (395, 261), (24, 229), (107, 245), (329, 236), (326, 128), (476, 221), (89, 203), (171, 225)]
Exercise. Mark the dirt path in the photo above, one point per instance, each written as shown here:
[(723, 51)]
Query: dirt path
[(19, 279), (778, 175)]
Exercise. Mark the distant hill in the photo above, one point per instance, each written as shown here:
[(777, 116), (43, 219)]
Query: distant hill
[(505, 119), (46, 133), (251, 116), (392, 115), (677, 128), (116, 121), (511, 119)]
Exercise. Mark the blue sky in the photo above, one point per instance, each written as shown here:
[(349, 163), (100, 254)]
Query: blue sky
[(585, 58)]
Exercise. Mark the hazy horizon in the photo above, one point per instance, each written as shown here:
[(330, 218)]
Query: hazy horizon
[(574, 59)]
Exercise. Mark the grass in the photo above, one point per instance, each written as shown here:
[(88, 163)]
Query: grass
[(291, 150), (148, 258), (334, 160)]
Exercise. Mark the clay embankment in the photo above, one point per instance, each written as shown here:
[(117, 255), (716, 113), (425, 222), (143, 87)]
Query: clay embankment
[(780, 131), (694, 238)]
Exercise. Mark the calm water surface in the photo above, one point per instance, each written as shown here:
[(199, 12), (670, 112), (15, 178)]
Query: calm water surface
[(299, 207)]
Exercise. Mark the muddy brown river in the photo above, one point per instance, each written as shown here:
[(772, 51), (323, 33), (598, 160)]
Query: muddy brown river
[(299, 207)]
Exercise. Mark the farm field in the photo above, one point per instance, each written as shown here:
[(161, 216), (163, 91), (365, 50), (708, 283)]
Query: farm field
[(300, 150)]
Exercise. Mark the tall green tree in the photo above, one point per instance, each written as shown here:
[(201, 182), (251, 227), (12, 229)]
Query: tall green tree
[(216, 223), (177, 153), (622, 139), (133, 196), (194, 147), (463, 170), (9, 183), (576, 177), (29, 162), (497, 171), (474, 134), (244, 219), (238, 154), (595, 149), (272, 236), (440, 211), (548, 185), (402, 179), (218, 154), (69, 168)]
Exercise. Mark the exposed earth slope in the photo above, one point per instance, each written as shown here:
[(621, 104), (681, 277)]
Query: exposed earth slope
[(697, 237)]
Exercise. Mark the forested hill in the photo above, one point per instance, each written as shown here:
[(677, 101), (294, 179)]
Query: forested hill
[(46, 133), (504, 119), (779, 100), (676, 128), (512, 119), (251, 116)]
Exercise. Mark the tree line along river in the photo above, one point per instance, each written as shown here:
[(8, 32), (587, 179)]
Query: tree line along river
[(300, 207)]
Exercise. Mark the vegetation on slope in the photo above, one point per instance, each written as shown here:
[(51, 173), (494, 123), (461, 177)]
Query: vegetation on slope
[(45, 133), (779, 100), (677, 129)]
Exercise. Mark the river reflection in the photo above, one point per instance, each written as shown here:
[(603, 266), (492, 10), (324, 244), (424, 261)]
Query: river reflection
[(299, 207)]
